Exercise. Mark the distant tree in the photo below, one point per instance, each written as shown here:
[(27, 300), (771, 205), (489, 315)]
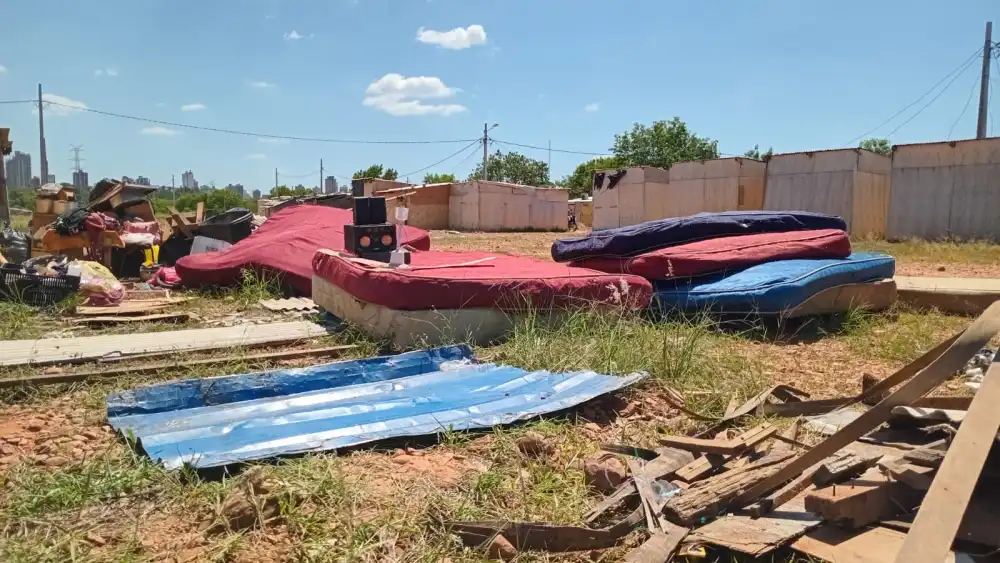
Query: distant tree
[(219, 201), (880, 146), (281, 191), (189, 201), (23, 198), (581, 181), (514, 168), (438, 178), (755, 153), (377, 171), (662, 144)]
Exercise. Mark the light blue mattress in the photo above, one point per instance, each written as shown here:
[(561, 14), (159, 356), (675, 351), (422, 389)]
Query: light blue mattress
[(772, 287)]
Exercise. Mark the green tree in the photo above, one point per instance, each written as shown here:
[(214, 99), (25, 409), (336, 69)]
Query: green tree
[(662, 144), (880, 146), (438, 178), (377, 171), (581, 181), (219, 201), (755, 153), (189, 201), (514, 168)]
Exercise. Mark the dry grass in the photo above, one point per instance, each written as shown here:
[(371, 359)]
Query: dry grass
[(377, 505)]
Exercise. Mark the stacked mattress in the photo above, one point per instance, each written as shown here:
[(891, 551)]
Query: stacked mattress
[(461, 296), (741, 262)]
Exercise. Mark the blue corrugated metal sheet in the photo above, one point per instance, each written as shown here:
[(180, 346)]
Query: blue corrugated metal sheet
[(218, 421)]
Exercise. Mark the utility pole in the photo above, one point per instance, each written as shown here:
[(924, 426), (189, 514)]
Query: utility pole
[(6, 147), (173, 188), (984, 83), (550, 156), (275, 178), (322, 186), (41, 140), (486, 153)]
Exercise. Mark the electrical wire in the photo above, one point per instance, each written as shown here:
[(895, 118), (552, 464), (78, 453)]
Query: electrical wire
[(297, 176), (17, 101), (260, 135), (464, 160), (959, 70), (964, 109), (934, 99), (445, 159), (502, 142)]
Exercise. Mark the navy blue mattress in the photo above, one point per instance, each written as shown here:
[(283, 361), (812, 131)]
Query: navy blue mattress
[(771, 287), (654, 235)]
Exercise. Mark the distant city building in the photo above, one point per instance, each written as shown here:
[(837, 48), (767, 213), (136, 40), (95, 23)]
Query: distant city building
[(19, 170), (52, 179), (188, 181), (142, 181), (36, 182), (236, 189), (81, 185), (256, 194), (330, 185)]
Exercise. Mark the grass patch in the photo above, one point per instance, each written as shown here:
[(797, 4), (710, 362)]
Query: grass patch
[(941, 252), (17, 321), (692, 356), (30, 492), (900, 336)]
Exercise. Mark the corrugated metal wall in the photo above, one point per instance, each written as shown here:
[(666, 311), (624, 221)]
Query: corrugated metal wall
[(835, 182), (946, 190)]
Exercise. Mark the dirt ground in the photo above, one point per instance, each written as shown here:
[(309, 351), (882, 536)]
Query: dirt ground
[(72, 490)]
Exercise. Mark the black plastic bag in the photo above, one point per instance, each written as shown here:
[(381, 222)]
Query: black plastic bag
[(14, 245)]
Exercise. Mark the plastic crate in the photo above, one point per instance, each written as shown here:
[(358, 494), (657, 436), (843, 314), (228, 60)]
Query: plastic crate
[(34, 290)]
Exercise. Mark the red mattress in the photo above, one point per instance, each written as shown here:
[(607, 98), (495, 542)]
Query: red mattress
[(727, 253), (284, 244), (498, 281)]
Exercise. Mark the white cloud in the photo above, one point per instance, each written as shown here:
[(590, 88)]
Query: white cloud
[(3, 69), (399, 95), (59, 105), (106, 72), (256, 156), (458, 38), (193, 107), (592, 107), (163, 131), (272, 141), (293, 36), (261, 84)]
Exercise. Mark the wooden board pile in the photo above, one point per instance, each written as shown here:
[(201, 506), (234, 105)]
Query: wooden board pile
[(912, 491)]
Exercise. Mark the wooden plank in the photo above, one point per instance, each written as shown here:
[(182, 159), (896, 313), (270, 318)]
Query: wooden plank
[(704, 446), (139, 307), (823, 473), (706, 499), (755, 536), (180, 222), (875, 545), (954, 358), (659, 548), (47, 351), (703, 466), (941, 512), (156, 367), (118, 320), (199, 212), (666, 463), (862, 501), (646, 495)]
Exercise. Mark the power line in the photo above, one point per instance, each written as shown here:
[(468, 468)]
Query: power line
[(960, 69), (251, 134), (449, 157), (299, 176), (964, 109), (934, 99), (17, 102), (502, 142), (464, 160)]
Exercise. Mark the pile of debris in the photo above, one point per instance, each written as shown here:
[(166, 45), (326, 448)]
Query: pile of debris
[(908, 480)]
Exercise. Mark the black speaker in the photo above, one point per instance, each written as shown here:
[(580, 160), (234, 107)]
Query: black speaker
[(369, 211), (363, 240)]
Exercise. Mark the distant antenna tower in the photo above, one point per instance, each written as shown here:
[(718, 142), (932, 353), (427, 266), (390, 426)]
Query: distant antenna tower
[(76, 157)]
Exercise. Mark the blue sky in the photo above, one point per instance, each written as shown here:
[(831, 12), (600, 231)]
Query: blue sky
[(792, 75)]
